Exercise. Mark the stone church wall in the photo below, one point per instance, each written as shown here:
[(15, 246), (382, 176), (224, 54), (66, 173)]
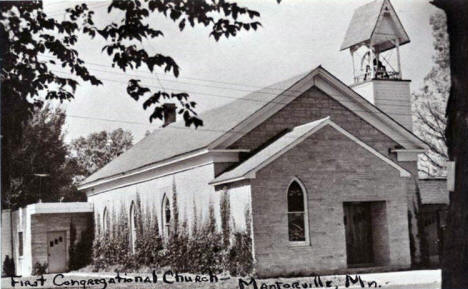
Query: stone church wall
[(333, 170), (314, 105)]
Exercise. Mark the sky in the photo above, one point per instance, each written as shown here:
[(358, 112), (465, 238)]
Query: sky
[(296, 36)]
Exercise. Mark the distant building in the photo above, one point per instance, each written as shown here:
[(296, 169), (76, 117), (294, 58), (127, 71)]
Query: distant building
[(433, 217), (40, 235)]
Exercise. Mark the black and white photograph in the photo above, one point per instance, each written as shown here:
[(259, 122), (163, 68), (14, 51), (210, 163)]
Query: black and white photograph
[(257, 144)]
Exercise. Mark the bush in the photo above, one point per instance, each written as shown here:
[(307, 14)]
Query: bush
[(149, 243), (202, 251), (80, 253), (8, 267), (39, 269), (240, 261), (112, 247)]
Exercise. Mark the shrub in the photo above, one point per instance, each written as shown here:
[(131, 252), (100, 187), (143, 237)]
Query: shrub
[(8, 267), (148, 243), (225, 210), (39, 269), (239, 259), (112, 247), (80, 253), (202, 250)]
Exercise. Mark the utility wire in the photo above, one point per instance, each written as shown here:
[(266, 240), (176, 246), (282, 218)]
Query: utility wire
[(287, 94), (279, 90)]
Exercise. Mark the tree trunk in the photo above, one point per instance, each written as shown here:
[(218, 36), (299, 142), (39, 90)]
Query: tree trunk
[(4, 169), (455, 251)]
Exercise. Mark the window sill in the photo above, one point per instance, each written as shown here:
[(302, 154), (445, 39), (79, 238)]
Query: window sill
[(298, 244)]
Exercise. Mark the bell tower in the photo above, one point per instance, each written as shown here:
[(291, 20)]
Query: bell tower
[(374, 37)]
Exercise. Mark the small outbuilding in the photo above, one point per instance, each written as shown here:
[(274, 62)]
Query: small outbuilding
[(40, 235), (434, 208)]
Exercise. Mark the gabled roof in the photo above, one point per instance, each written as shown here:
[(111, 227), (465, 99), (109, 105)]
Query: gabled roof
[(227, 123), (434, 191), (366, 22), (176, 139), (248, 168)]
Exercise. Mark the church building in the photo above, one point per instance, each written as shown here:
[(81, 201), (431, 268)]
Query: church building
[(326, 171)]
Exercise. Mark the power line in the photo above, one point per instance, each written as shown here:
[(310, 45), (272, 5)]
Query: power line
[(106, 119), (170, 80), (261, 91), (288, 94)]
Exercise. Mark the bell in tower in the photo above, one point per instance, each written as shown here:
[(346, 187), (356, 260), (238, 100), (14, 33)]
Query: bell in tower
[(374, 37)]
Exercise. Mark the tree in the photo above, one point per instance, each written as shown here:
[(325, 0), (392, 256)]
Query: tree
[(32, 43), (455, 250), (32, 178), (97, 149), (431, 101)]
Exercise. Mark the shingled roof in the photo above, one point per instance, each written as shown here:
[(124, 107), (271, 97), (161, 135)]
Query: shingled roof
[(365, 21), (272, 151), (176, 139), (298, 134)]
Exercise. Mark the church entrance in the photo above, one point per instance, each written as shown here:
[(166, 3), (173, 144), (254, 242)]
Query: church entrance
[(358, 227)]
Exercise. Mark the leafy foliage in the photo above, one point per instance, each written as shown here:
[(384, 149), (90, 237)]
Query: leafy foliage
[(32, 178), (33, 43), (431, 101), (80, 252), (8, 267), (40, 269), (97, 149), (200, 251), (26, 33)]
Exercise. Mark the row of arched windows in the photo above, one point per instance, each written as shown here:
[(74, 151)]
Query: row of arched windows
[(298, 232), (166, 221)]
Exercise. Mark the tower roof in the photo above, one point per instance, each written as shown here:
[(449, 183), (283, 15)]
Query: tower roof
[(377, 24)]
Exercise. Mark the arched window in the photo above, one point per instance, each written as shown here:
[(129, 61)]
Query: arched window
[(298, 230), (105, 220), (132, 228), (166, 216)]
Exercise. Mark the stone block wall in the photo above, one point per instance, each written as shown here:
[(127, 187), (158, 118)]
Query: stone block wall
[(314, 105), (311, 106), (333, 170)]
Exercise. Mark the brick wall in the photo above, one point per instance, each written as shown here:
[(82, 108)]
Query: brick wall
[(315, 104), (332, 175)]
